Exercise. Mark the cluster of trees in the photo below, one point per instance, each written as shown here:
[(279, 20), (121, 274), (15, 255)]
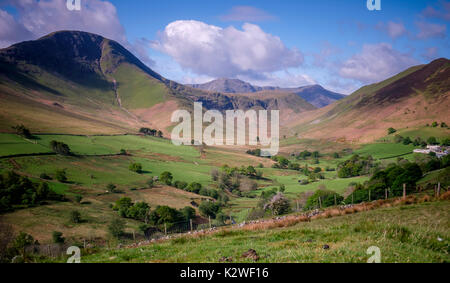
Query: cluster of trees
[(141, 211), (255, 152), (356, 166), (151, 132), (60, 148), (435, 124), (284, 163), (22, 131), (392, 179), (419, 141), (236, 180), (19, 190), (306, 154), (13, 247)]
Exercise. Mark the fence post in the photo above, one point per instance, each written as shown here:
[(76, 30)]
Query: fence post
[(190, 221), (439, 189), (352, 198), (404, 191), (298, 208), (165, 229), (335, 200), (369, 196), (134, 237), (385, 193), (209, 217), (320, 202)]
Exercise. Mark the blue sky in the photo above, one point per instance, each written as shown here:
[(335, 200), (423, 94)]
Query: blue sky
[(338, 44)]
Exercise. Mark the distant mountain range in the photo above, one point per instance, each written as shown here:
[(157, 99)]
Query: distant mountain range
[(82, 83), (78, 82), (314, 94)]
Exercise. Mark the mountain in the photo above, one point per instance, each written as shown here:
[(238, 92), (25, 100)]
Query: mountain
[(230, 86), (82, 83), (418, 96), (314, 94)]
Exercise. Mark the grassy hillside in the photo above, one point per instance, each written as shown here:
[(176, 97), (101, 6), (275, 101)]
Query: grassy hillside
[(403, 234), (411, 99)]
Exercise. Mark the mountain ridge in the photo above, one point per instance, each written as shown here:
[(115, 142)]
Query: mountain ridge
[(314, 94)]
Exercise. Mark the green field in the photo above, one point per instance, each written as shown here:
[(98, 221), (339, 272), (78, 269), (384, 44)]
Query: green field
[(411, 236), (386, 150)]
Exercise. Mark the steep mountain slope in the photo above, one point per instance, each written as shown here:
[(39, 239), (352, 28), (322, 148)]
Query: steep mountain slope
[(411, 99), (78, 82), (313, 94), (72, 76)]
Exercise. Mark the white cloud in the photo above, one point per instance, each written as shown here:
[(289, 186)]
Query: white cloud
[(247, 14), (38, 18), (375, 63), (226, 52), (393, 29), (429, 30)]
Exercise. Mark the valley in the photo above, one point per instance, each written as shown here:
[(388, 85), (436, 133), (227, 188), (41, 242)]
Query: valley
[(86, 154)]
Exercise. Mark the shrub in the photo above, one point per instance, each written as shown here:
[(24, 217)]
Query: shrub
[(45, 176), (166, 178), (136, 167), (61, 175), (75, 216), (60, 148), (57, 237), (116, 228), (391, 131)]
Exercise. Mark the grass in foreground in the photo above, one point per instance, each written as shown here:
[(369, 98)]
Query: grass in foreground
[(415, 233)]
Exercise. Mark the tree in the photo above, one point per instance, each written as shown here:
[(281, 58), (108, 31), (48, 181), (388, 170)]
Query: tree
[(60, 148), (279, 205), (58, 237), (445, 142), (432, 141), (136, 167), (139, 211), (22, 131), (166, 177), (444, 125), (336, 155), (435, 124), (22, 241), (407, 141), (391, 131), (165, 215), (116, 228), (209, 209), (75, 216), (61, 175), (188, 212)]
